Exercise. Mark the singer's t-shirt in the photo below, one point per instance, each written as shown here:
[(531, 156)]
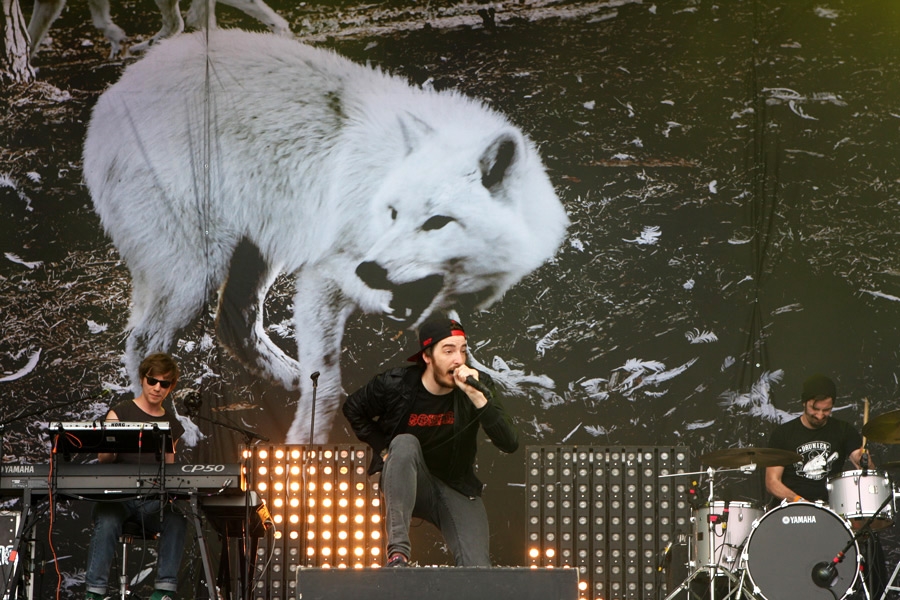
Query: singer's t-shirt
[(129, 411), (824, 453), (432, 419)]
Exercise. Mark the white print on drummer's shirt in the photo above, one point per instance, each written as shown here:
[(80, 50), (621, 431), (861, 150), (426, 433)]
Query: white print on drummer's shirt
[(817, 460)]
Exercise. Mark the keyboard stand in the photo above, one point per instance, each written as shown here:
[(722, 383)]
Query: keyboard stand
[(204, 550), (15, 574)]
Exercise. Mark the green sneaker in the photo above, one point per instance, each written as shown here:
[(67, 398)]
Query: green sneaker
[(93, 596), (162, 595)]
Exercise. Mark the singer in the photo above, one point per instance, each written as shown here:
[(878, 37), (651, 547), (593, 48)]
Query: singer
[(823, 441), (159, 374), (422, 423)]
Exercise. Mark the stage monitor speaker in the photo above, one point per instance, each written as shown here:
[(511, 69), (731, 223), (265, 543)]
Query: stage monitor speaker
[(437, 583)]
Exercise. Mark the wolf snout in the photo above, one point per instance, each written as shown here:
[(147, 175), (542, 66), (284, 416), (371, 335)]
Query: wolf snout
[(408, 300)]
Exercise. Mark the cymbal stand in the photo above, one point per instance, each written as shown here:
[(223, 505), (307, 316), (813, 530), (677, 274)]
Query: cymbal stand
[(713, 569), (890, 587)]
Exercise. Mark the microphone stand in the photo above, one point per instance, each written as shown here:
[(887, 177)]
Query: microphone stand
[(312, 419), (248, 547), (304, 529), (824, 574)]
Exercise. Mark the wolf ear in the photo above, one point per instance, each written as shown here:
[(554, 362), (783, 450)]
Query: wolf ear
[(497, 159), (414, 130)]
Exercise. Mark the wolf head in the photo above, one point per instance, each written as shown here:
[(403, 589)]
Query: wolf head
[(466, 212)]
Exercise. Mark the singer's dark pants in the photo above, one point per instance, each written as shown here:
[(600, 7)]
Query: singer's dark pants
[(410, 490)]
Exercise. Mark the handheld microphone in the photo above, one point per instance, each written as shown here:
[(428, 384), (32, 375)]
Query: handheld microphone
[(478, 386)]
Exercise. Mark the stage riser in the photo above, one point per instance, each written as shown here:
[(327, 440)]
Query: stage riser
[(437, 583)]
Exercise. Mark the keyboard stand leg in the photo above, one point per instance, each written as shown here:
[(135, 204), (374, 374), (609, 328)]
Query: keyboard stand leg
[(204, 551), (16, 573)]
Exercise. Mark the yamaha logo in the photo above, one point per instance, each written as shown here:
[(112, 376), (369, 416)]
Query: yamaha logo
[(17, 470), (788, 520)]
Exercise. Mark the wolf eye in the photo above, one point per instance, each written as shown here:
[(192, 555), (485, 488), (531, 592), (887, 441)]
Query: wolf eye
[(393, 213), (437, 222)]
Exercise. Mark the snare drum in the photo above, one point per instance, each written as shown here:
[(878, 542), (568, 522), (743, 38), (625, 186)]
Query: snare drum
[(786, 545), (856, 497), (720, 530)]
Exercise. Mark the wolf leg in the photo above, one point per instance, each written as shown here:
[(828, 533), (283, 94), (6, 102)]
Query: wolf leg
[(161, 306), (239, 319), (320, 315), (42, 17), (102, 20), (172, 24), (260, 11)]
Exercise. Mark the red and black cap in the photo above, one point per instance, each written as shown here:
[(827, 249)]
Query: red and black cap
[(433, 331)]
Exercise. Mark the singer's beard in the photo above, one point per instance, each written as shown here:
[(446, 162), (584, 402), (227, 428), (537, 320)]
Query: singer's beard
[(445, 379)]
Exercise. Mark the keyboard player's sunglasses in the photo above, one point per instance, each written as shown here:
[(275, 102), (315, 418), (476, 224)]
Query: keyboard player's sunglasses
[(152, 381)]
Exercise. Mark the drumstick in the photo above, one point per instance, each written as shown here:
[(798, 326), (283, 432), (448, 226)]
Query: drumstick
[(865, 419)]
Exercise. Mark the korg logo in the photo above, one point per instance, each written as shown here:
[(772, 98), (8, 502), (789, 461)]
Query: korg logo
[(788, 520)]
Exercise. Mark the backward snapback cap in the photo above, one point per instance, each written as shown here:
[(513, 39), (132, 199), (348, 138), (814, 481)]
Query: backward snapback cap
[(433, 331), (818, 387)]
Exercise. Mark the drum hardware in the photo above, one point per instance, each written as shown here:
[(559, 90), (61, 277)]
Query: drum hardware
[(890, 587), (825, 574), (706, 551)]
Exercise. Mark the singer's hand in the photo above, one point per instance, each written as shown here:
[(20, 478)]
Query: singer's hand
[(460, 374)]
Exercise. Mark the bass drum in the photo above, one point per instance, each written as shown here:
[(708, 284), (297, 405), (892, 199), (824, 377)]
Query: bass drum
[(786, 544)]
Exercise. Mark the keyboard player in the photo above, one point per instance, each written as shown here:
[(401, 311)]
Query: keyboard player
[(159, 374)]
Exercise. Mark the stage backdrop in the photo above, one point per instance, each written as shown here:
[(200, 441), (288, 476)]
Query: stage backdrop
[(655, 219)]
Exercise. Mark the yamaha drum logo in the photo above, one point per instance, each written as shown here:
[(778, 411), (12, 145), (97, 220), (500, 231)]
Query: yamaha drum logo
[(789, 520)]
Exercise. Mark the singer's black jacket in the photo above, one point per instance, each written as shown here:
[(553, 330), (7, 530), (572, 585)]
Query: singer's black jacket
[(376, 410)]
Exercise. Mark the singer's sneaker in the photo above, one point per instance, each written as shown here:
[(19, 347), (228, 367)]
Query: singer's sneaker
[(398, 560), (93, 596), (162, 595)]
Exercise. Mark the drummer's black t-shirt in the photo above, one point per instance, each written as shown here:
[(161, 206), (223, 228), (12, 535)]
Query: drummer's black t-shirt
[(824, 453)]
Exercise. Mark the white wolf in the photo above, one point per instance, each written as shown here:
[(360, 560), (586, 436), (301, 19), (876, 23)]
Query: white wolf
[(223, 164)]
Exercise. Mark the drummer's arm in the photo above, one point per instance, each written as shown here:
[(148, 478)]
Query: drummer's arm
[(775, 487)]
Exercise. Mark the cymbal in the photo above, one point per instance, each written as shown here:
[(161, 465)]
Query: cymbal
[(739, 457), (884, 428)]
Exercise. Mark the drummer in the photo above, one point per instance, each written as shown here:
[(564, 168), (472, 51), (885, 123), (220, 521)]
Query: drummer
[(823, 441)]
